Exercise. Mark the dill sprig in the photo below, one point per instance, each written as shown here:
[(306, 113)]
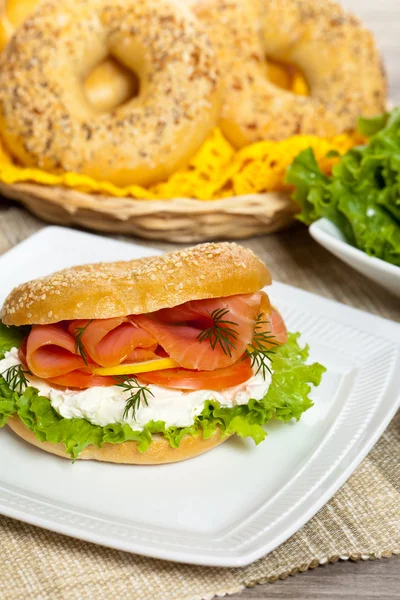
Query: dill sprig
[(260, 355), (221, 332), (79, 347), (137, 394), (15, 377)]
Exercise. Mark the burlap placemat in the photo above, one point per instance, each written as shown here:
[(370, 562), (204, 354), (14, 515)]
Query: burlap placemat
[(361, 521)]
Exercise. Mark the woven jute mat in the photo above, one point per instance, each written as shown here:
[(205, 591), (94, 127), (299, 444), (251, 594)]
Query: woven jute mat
[(361, 521)]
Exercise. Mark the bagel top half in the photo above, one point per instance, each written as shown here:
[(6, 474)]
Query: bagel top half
[(106, 290)]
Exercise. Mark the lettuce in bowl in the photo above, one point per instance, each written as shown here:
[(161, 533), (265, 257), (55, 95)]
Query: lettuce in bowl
[(362, 197), (287, 398)]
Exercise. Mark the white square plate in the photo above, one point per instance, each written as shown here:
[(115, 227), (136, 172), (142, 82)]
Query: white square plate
[(233, 505)]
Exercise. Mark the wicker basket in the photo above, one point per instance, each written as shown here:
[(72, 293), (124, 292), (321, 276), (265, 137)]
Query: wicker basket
[(177, 220)]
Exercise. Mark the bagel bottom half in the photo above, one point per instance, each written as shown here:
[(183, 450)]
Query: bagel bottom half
[(159, 452)]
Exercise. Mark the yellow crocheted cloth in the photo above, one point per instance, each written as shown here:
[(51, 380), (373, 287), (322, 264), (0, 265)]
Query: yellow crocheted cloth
[(216, 171)]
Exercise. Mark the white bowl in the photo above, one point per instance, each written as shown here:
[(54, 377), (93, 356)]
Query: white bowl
[(331, 238)]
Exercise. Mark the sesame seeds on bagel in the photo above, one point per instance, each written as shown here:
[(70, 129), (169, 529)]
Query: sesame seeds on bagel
[(106, 290)]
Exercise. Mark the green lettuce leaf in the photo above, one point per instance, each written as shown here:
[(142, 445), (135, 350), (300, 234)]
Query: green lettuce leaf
[(362, 197), (10, 337), (369, 126), (287, 398)]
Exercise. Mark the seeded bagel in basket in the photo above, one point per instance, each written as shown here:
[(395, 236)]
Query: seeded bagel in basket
[(46, 120), (336, 53), (109, 85), (258, 200)]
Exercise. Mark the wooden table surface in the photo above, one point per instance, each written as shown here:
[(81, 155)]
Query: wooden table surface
[(310, 267)]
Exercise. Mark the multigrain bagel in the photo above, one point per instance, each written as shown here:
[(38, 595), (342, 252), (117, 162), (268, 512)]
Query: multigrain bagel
[(234, 29), (110, 84), (107, 86), (102, 291), (46, 119), (160, 451), (335, 52)]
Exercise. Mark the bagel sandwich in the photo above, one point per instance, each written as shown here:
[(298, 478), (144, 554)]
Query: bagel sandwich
[(149, 361)]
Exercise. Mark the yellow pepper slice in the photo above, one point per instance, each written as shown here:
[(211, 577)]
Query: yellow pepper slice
[(146, 366)]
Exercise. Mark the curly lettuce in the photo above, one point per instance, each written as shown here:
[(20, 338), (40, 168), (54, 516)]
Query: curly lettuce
[(362, 197), (10, 337), (287, 398)]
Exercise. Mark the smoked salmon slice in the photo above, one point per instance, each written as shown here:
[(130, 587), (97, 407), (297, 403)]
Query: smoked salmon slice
[(271, 324), (278, 328), (110, 342), (178, 330), (50, 351)]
